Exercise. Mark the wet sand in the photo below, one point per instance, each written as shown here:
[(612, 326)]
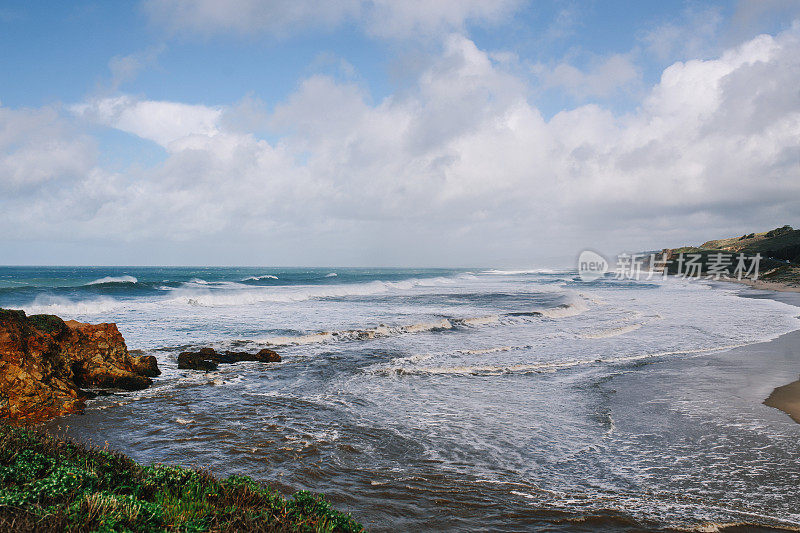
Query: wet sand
[(787, 399), (764, 285)]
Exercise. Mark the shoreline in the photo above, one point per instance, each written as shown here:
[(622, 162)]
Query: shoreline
[(776, 286), (785, 398)]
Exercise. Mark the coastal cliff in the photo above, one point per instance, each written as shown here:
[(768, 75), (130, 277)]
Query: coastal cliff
[(778, 249), (46, 363)]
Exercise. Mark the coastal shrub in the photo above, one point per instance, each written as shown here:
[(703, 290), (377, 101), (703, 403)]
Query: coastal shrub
[(46, 323), (779, 231), (305, 504), (49, 484)]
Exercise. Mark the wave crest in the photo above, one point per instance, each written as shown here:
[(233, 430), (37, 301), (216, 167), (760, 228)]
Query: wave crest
[(241, 294), (358, 334), (113, 279), (64, 307), (497, 272), (564, 310)]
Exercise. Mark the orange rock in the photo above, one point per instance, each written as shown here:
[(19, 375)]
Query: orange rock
[(44, 363)]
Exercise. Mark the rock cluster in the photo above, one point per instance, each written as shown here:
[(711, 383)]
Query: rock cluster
[(209, 359), (46, 362)]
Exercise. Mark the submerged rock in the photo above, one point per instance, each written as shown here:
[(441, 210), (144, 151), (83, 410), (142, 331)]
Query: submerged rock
[(45, 362), (146, 365), (195, 361), (209, 359), (268, 356)]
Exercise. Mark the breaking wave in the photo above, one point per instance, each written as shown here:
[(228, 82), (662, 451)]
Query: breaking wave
[(564, 310), (359, 334), (240, 294), (523, 272), (612, 332), (63, 307), (113, 279), (259, 278), (480, 320), (438, 325)]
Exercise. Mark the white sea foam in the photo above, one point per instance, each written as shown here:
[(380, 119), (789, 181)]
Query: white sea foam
[(232, 294), (523, 272), (479, 320), (215, 284), (114, 279), (331, 275), (429, 326), (65, 308), (565, 310), (259, 278), (313, 338), (485, 351), (612, 332), (418, 358), (357, 334), (523, 368)]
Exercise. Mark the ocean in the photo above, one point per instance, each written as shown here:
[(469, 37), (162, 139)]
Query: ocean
[(453, 399)]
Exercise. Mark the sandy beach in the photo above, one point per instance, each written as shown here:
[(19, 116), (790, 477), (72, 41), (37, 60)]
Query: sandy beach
[(764, 285), (785, 397)]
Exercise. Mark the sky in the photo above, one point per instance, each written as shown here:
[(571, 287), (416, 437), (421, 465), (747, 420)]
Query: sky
[(385, 133)]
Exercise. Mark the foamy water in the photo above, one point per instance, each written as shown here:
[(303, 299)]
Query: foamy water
[(400, 391)]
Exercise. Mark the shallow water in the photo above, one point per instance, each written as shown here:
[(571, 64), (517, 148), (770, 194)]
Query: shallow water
[(446, 399)]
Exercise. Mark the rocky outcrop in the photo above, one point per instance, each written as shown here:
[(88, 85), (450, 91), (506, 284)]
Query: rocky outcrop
[(100, 358), (46, 362), (209, 359), (146, 365), (201, 360)]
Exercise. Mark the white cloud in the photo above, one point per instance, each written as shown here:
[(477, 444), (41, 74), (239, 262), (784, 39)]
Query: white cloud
[(468, 137), (125, 68), (691, 36), (161, 122), (388, 18), (384, 18), (37, 146), (602, 79), (460, 168)]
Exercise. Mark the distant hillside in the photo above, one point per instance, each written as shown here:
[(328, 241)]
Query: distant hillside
[(780, 243), (779, 249)]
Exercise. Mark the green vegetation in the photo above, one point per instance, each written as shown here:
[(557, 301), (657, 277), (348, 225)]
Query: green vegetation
[(781, 244), (48, 484), (46, 323), (779, 250)]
